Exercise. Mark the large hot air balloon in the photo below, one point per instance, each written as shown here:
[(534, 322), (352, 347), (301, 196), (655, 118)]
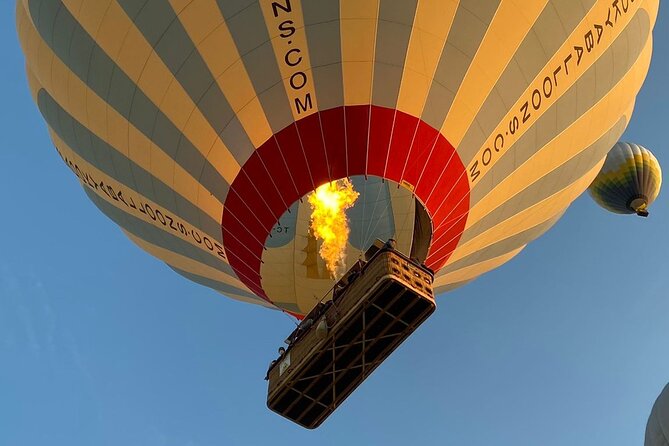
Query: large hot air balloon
[(657, 429), (629, 181), (202, 127)]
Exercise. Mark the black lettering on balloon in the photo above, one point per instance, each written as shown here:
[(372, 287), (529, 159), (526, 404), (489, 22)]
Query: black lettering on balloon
[(170, 220), (486, 159), (536, 99), (608, 19), (298, 80), (555, 72), (161, 217), (196, 236), (589, 41), (600, 30), (579, 54), (296, 60), (513, 125), (618, 13), (303, 106), (112, 193), (120, 197), (219, 250), (474, 171), (284, 7), (150, 213), (526, 114), (566, 64), (286, 29), (499, 142), (104, 189)]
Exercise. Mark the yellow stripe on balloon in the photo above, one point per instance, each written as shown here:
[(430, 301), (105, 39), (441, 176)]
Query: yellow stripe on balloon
[(432, 22), (289, 41), (358, 21)]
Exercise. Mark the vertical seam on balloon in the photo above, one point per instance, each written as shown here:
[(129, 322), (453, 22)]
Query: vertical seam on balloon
[(422, 110), (250, 283), (418, 121), (283, 158), (232, 214), (345, 141), (378, 220), (390, 142), (262, 161), (408, 156), (367, 232), (304, 154), (371, 81), (325, 148), (262, 197)]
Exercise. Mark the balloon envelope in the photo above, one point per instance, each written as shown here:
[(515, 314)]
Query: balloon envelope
[(199, 127), (629, 181), (657, 429)]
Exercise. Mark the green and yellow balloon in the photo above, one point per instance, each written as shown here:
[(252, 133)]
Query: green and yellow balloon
[(629, 181)]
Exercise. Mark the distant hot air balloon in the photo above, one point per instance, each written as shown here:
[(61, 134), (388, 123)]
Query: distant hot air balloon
[(629, 181), (202, 127), (657, 429)]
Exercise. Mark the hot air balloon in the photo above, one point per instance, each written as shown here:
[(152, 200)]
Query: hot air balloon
[(629, 181), (657, 429), (202, 127)]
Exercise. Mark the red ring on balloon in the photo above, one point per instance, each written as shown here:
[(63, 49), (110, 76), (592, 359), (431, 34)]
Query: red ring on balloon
[(338, 143)]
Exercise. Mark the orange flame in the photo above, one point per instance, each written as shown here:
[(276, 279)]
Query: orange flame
[(329, 222)]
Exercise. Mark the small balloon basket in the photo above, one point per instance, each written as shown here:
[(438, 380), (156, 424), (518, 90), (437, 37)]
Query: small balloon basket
[(375, 307)]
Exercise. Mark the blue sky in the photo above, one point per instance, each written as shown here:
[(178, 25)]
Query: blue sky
[(568, 344)]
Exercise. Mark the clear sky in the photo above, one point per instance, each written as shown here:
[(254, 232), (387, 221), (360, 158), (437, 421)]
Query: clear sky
[(100, 344)]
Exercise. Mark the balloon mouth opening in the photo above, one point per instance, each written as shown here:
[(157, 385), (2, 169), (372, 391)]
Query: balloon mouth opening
[(638, 204), (371, 213), (369, 208)]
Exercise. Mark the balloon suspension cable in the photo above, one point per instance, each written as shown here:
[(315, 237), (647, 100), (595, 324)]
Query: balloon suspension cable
[(295, 320), (331, 290), (292, 318)]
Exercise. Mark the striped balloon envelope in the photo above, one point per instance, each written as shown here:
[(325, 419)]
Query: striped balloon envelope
[(657, 428), (629, 181), (200, 126)]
